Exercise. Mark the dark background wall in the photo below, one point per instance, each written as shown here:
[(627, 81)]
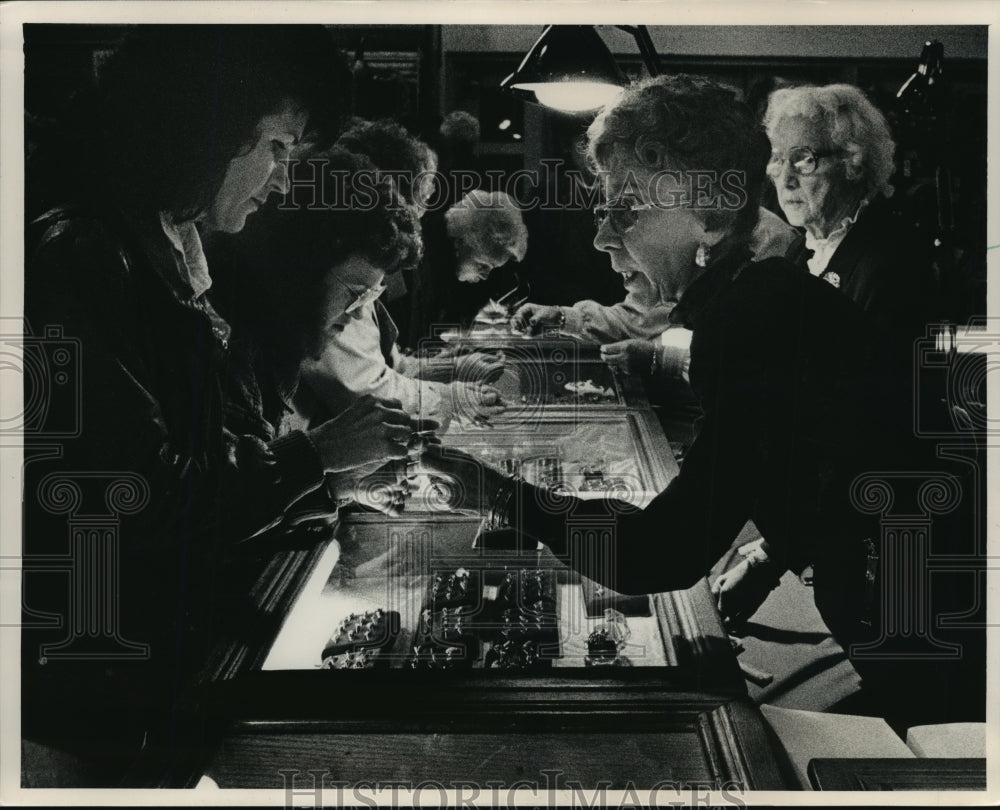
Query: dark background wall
[(419, 73)]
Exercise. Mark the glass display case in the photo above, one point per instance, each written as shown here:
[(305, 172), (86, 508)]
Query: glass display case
[(588, 453), (409, 595), (423, 647), (556, 372), (410, 656), (431, 590)]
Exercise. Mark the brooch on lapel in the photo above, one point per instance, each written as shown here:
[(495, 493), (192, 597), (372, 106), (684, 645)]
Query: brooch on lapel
[(833, 278)]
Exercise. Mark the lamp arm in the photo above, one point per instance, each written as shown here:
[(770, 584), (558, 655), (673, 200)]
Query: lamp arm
[(645, 43)]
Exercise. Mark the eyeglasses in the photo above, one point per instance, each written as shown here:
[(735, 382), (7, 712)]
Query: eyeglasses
[(363, 298), (802, 159), (624, 212)]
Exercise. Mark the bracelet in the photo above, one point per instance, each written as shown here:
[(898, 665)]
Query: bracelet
[(654, 363), (500, 509), (562, 318)]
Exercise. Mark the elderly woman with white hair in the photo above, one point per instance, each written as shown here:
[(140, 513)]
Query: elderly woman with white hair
[(487, 231), (791, 418), (831, 160), (479, 234)]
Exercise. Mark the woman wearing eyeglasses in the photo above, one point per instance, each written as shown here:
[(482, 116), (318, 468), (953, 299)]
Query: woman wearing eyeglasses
[(190, 130), (791, 416), (636, 334), (831, 160), (355, 357), (290, 284), (642, 314)]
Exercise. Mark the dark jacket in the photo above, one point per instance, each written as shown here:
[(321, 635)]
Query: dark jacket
[(795, 402), (152, 462), (883, 268)]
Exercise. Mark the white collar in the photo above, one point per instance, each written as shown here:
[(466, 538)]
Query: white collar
[(823, 249), (188, 255)]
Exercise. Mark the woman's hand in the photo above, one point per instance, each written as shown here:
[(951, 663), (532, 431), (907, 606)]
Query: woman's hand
[(386, 489), (459, 481), (475, 367), (479, 367), (631, 356), (366, 432), (743, 589), (476, 403), (532, 318)]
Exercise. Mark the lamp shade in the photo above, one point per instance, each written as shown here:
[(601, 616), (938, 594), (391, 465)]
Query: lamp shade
[(568, 68)]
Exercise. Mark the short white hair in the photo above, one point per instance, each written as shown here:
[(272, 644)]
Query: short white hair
[(490, 222), (853, 124)]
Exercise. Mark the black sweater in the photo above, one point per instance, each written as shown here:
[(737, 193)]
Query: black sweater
[(798, 398)]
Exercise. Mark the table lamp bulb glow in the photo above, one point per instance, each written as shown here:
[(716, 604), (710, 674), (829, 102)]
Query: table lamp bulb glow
[(573, 96)]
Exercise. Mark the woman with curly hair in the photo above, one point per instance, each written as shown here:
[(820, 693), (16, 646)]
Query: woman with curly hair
[(791, 418), (393, 150), (359, 357), (298, 279), (191, 132), (831, 161), (412, 164), (477, 235)]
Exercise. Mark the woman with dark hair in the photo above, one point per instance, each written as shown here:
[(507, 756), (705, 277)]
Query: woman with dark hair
[(791, 418), (399, 312), (364, 359), (178, 102), (193, 129), (277, 277), (290, 283), (412, 164), (393, 150)]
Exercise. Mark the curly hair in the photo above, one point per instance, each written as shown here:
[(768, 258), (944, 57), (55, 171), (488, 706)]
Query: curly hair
[(853, 124), (392, 149), (176, 103), (461, 127), (490, 222), (282, 264), (684, 122)]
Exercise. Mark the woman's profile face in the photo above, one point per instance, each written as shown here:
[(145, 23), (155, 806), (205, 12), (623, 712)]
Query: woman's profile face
[(473, 264), (818, 201), (659, 249), (252, 175), (348, 283)]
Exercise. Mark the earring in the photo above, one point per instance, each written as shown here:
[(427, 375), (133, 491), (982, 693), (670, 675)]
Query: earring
[(702, 256)]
